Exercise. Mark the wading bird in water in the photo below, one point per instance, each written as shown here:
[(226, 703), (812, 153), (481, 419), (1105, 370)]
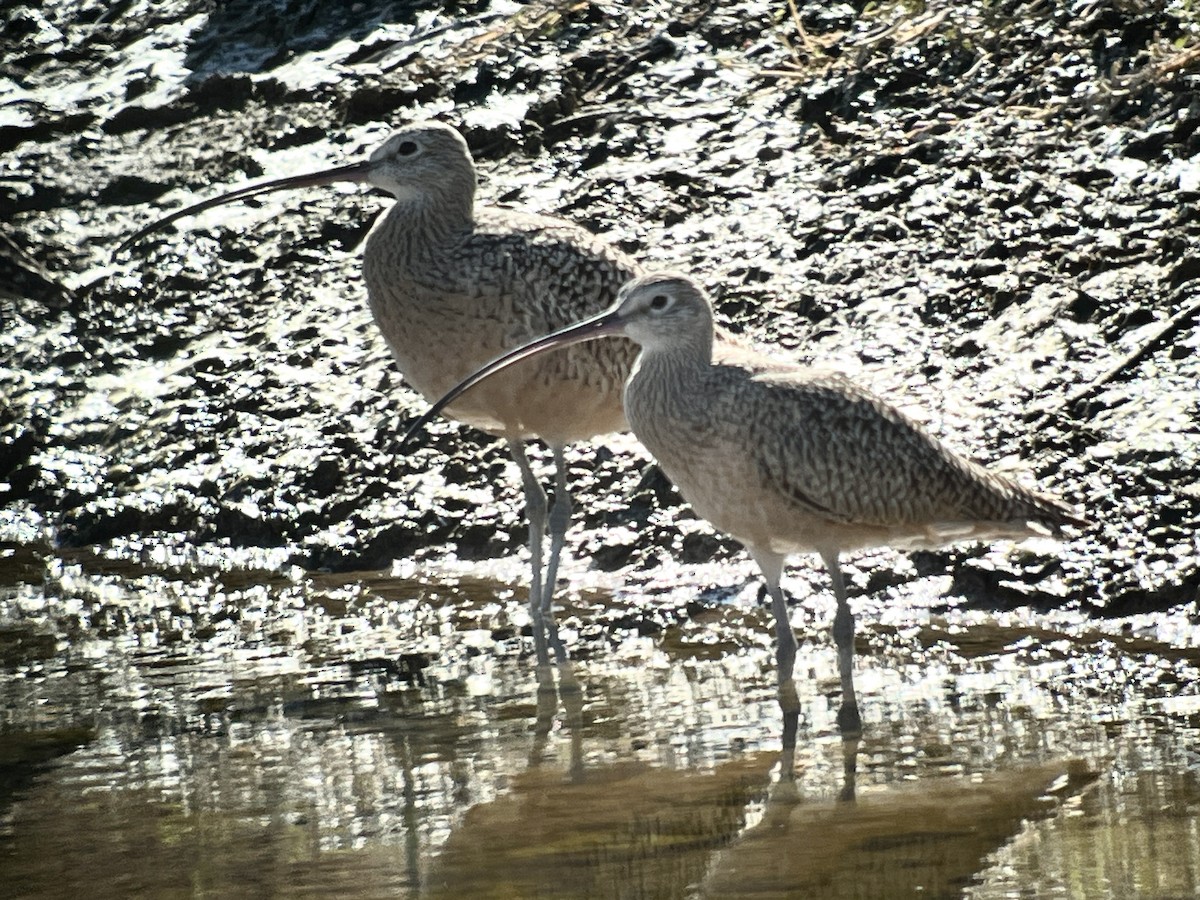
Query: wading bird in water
[(787, 459), (452, 283)]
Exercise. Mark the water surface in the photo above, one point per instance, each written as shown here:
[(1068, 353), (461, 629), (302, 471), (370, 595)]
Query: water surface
[(203, 724)]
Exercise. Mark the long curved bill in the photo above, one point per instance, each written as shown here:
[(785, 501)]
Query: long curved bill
[(356, 172), (606, 323)]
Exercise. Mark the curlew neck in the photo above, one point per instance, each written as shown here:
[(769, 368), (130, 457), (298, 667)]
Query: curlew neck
[(665, 382), (432, 215)]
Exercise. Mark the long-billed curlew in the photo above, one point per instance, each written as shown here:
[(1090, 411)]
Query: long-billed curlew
[(452, 284), (788, 459)]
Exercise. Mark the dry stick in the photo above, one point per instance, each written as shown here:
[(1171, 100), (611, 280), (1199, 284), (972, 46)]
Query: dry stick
[(1160, 335), (922, 26), (1117, 87), (804, 39), (380, 57), (1176, 62)]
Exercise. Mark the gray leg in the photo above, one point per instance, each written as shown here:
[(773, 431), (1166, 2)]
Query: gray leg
[(849, 720), (785, 659), (560, 518), (535, 510), (789, 703), (785, 640), (849, 769)]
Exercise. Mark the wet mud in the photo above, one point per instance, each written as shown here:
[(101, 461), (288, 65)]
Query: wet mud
[(238, 625)]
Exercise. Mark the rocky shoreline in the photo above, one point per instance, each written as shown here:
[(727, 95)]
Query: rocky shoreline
[(989, 213)]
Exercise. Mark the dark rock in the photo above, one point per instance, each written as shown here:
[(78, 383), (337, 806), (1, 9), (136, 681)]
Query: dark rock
[(135, 117), (129, 190), (698, 547), (12, 136)]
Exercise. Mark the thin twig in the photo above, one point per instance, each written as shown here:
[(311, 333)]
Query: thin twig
[(809, 47), (1160, 336)]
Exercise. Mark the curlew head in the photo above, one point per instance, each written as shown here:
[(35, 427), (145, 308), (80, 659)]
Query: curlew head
[(664, 310), (660, 311), (429, 161)]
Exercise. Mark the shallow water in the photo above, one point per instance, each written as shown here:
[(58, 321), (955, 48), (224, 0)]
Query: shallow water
[(198, 723)]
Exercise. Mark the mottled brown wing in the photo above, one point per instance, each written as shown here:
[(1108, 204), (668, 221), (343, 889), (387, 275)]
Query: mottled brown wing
[(563, 272), (832, 448)]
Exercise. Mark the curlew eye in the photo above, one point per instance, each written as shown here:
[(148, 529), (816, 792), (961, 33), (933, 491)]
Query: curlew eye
[(659, 302), (406, 148)]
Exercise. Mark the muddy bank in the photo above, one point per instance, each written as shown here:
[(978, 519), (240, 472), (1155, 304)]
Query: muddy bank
[(987, 212)]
